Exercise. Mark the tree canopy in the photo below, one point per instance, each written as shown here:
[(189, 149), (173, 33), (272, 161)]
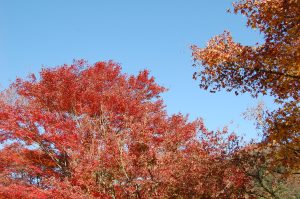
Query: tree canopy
[(89, 131), (270, 68)]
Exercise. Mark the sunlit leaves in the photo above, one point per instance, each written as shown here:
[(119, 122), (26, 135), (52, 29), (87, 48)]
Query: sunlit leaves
[(89, 131), (270, 68)]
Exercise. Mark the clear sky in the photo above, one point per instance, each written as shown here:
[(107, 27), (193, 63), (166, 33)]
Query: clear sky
[(138, 34)]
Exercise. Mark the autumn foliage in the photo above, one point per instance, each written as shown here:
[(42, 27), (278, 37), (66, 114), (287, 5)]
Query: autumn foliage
[(270, 68), (89, 131)]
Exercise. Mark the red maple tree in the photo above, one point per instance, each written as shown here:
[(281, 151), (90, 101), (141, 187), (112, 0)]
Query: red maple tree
[(89, 131)]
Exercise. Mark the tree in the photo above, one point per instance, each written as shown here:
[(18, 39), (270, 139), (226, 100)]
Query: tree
[(89, 131), (272, 68), (266, 180)]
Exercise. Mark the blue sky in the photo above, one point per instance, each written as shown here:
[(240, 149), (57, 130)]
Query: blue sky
[(138, 34)]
